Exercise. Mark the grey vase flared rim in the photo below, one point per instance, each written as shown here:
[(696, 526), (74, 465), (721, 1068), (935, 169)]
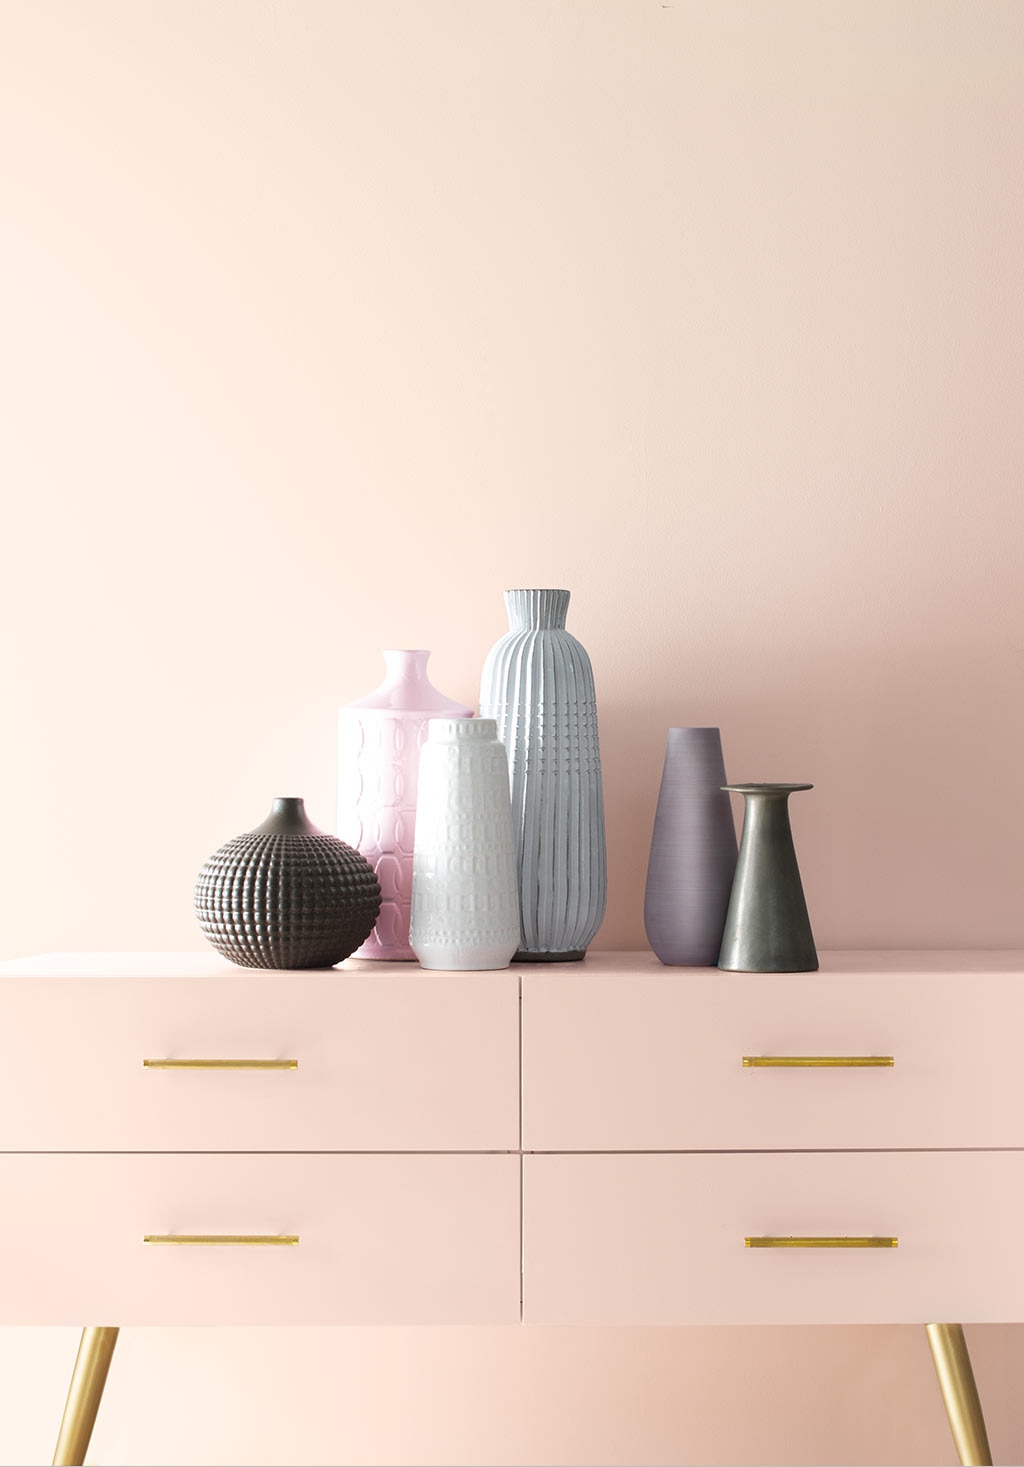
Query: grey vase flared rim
[(766, 789)]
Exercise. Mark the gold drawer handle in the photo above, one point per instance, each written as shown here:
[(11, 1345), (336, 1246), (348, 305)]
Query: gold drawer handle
[(817, 1061), (821, 1242), (213, 1064), (226, 1240)]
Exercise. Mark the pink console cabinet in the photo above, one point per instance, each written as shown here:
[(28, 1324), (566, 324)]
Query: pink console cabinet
[(609, 1142)]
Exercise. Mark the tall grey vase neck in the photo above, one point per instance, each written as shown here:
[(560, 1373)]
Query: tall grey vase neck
[(767, 929), (537, 610), (538, 686)]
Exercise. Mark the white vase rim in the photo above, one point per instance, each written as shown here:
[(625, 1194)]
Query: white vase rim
[(444, 730)]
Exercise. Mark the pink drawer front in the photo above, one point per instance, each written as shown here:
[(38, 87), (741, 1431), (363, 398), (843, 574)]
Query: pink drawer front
[(382, 1240), (658, 1240), (388, 1057), (624, 1054)]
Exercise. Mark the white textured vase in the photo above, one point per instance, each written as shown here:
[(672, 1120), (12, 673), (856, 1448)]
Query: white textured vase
[(538, 686), (465, 904)]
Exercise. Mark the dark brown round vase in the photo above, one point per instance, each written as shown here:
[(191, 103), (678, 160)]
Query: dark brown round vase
[(287, 895)]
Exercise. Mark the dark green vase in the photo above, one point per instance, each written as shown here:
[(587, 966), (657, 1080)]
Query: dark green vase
[(767, 929)]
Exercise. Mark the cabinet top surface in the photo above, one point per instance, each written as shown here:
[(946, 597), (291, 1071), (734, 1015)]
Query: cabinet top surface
[(641, 964)]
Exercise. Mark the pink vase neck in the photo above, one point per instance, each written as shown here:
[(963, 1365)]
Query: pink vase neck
[(406, 666), (407, 688)]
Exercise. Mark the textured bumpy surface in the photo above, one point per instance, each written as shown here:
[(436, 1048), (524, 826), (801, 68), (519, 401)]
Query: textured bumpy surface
[(538, 685), (284, 896)]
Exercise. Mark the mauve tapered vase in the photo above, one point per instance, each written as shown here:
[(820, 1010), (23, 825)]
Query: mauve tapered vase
[(693, 852)]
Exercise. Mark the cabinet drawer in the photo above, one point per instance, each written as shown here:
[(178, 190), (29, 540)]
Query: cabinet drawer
[(643, 1057), (388, 1058), (382, 1239), (652, 1240)]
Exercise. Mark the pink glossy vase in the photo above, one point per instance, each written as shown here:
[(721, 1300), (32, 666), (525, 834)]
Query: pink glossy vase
[(379, 740)]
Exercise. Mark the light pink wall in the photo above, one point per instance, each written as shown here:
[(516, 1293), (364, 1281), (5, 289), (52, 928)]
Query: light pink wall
[(320, 323)]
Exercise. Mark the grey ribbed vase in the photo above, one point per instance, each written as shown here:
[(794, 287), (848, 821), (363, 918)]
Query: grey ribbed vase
[(538, 686), (693, 852), (767, 929)]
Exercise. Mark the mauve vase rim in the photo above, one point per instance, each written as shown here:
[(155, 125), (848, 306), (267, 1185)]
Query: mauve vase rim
[(766, 789), (705, 728)]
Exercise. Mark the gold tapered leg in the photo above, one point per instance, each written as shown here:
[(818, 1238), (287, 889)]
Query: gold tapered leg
[(959, 1393), (87, 1381)]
